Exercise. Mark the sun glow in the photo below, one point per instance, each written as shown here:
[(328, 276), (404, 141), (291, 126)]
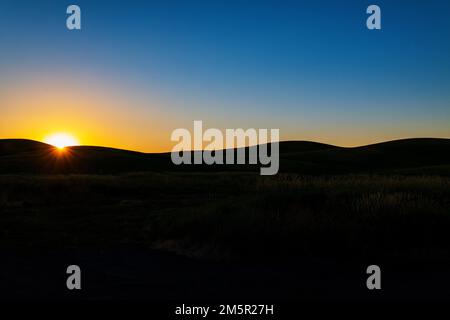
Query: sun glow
[(61, 140)]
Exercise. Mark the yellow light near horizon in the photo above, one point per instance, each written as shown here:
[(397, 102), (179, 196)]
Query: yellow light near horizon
[(61, 140)]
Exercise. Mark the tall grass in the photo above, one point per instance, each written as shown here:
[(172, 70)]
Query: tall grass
[(218, 215)]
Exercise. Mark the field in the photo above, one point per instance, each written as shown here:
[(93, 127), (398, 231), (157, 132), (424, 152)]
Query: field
[(232, 216), (286, 237)]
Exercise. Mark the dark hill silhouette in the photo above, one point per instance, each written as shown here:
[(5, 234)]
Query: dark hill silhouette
[(421, 155), (18, 146)]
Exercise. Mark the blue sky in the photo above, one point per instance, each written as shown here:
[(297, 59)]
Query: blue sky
[(310, 68)]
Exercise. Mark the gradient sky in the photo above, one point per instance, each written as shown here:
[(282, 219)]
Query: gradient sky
[(139, 69)]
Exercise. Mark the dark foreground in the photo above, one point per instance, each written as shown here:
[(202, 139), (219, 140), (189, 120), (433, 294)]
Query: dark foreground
[(129, 274), (221, 237)]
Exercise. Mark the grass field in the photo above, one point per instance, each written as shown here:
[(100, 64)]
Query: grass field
[(167, 232), (233, 215)]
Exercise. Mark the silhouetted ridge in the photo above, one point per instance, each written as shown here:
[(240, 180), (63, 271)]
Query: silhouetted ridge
[(415, 156), (15, 146)]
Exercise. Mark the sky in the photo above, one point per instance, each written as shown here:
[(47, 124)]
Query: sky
[(137, 70)]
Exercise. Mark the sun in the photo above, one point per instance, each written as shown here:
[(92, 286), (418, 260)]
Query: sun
[(61, 140)]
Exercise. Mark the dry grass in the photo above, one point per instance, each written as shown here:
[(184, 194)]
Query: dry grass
[(231, 215)]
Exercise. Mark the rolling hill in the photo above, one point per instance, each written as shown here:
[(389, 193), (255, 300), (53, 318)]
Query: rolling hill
[(408, 156)]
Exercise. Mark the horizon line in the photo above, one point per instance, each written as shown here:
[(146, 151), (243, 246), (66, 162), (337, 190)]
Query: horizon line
[(193, 150)]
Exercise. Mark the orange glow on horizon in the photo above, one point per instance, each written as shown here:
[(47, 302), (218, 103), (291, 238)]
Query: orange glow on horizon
[(99, 117), (103, 113), (61, 140)]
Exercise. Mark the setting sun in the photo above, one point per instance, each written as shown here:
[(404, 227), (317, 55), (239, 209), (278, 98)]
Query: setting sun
[(61, 140)]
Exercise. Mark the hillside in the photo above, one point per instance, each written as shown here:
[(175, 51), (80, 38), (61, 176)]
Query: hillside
[(415, 156)]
